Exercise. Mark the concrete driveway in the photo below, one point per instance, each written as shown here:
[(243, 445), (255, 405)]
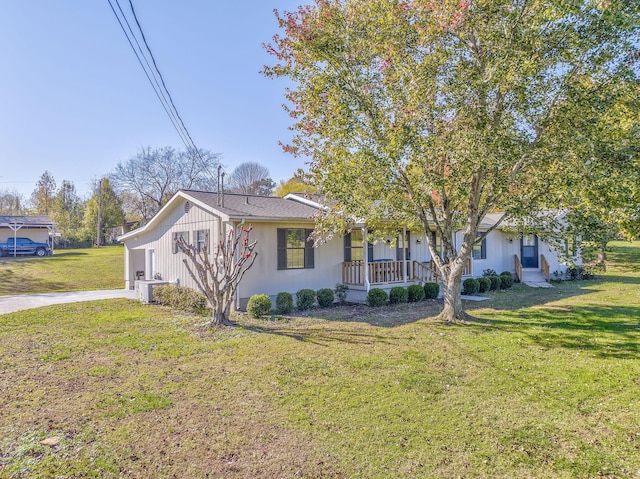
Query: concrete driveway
[(18, 302)]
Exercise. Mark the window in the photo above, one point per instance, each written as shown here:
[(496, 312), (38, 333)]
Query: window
[(354, 247), (407, 249), (177, 236), (436, 240), (571, 247), (294, 251), (202, 240), (480, 249)]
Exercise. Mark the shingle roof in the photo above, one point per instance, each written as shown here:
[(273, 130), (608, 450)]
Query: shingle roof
[(248, 206), (26, 220)]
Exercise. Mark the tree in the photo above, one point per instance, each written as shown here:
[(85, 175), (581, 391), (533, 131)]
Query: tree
[(42, 196), (149, 179), (67, 212), (218, 276), (604, 190), (298, 183), (251, 179), (102, 211), (441, 112), (11, 203)]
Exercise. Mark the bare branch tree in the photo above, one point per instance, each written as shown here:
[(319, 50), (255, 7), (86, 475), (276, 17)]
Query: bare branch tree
[(218, 276), (251, 179), (149, 179)]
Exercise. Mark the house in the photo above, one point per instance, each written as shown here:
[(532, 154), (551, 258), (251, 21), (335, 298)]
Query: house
[(287, 262), (37, 228)]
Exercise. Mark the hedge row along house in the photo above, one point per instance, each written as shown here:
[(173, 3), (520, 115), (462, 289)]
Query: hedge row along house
[(288, 261)]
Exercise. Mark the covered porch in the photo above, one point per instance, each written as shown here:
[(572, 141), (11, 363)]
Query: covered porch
[(381, 273)]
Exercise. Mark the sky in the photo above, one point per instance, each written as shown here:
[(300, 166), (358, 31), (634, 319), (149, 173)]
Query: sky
[(74, 100)]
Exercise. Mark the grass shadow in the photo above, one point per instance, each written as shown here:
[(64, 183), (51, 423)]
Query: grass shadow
[(605, 331)]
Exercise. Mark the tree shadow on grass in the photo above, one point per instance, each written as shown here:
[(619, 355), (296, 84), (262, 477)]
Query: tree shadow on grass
[(604, 331), (320, 336)]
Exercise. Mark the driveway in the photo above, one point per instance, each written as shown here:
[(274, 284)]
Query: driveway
[(18, 302)]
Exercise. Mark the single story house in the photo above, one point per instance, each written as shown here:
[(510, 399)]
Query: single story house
[(287, 262), (37, 228)]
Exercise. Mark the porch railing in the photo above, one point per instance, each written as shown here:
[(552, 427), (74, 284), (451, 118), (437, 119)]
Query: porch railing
[(425, 272), (544, 267), (385, 272), (353, 273), (517, 266)]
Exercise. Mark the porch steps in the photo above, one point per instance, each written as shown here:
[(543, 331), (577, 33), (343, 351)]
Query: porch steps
[(534, 278)]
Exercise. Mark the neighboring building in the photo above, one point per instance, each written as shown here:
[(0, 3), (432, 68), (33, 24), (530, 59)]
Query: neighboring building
[(37, 228), (287, 262)]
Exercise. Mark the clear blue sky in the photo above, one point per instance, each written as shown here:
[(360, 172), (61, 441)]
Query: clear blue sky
[(74, 100)]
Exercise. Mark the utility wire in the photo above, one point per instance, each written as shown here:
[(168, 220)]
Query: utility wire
[(162, 92)]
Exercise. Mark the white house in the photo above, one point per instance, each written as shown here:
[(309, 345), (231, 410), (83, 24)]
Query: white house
[(287, 262)]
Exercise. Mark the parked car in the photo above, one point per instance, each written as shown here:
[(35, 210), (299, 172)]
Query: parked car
[(24, 246)]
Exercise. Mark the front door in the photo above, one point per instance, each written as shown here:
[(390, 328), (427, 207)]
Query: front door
[(529, 251)]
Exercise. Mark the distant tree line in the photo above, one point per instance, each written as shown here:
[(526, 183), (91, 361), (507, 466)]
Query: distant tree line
[(134, 192)]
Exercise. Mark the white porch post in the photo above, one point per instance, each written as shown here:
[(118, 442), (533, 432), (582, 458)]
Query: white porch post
[(404, 255), (365, 258)]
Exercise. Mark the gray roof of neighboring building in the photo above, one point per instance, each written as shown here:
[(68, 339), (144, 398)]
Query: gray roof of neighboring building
[(249, 206), (26, 220)]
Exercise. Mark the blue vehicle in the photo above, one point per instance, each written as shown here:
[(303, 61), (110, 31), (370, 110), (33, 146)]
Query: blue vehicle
[(24, 246)]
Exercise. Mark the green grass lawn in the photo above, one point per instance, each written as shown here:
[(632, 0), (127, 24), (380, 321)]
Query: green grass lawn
[(540, 383), (67, 270)]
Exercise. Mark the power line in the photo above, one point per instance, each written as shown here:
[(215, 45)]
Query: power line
[(159, 87)]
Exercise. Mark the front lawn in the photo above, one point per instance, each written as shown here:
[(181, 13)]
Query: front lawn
[(541, 383), (67, 270)]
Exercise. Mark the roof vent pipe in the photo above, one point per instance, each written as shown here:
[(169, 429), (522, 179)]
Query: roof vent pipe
[(246, 200), (222, 190)]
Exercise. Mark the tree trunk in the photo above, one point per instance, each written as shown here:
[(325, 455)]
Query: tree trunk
[(602, 252), (452, 310)]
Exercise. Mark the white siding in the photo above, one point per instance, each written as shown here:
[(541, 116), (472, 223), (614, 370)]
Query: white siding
[(265, 278), (167, 265)]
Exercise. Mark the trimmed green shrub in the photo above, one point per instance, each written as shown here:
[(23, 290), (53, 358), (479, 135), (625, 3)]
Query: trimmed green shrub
[(431, 290), (341, 292), (506, 273), (377, 297), (416, 293), (506, 281), (259, 305), (496, 282), (284, 303), (470, 286), (180, 298), (485, 284), (305, 299), (398, 294), (325, 297)]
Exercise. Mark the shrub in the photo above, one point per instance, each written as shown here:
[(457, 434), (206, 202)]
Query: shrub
[(506, 273), (489, 272), (398, 294), (341, 292), (325, 297), (180, 298), (416, 293), (470, 286), (284, 303), (305, 299), (431, 290), (485, 284), (259, 305), (506, 281), (496, 282), (377, 297)]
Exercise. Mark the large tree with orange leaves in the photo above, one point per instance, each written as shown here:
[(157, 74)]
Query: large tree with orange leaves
[(443, 111)]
